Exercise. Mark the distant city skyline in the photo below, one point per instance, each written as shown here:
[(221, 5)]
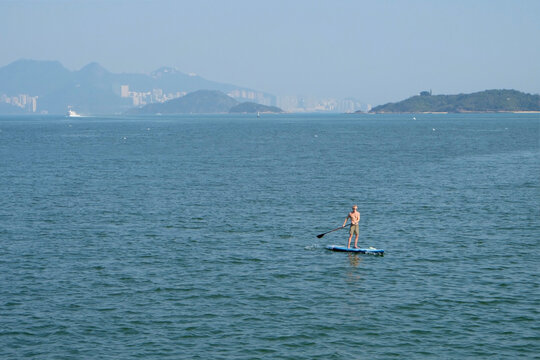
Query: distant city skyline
[(372, 51), (37, 86)]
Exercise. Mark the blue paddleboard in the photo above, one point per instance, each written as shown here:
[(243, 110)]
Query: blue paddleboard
[(361, 251)]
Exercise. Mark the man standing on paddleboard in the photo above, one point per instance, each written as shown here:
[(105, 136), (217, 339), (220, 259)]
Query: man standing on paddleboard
[(354, 215)]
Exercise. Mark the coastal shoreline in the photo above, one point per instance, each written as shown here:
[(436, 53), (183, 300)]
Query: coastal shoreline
[(457, 112)]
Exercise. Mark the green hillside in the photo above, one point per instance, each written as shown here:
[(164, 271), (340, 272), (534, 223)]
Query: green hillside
[(251, 108), (483, 101)]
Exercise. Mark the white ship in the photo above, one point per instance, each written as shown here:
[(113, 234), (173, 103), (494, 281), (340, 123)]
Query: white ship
[(72, 113)]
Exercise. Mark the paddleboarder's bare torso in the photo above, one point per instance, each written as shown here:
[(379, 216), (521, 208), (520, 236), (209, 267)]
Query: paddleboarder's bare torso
[(354, 215)]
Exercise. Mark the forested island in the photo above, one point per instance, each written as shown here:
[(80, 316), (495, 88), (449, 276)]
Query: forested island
[(251, 107), (483, 101)]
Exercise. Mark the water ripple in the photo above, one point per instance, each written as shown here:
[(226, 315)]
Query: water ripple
[(197, 239)]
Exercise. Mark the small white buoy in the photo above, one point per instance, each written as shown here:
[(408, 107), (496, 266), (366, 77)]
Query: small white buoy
[(125, 138), (433, 129), (414, 118)]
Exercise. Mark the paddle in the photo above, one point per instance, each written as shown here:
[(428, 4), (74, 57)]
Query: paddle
[(339, 228)]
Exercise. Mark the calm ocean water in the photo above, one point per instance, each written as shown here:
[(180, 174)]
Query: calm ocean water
[(194, 237)]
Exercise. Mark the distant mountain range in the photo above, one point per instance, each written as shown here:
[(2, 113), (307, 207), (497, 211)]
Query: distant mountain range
[(31, 86), (95, 90), (483, 101), (203, 102)]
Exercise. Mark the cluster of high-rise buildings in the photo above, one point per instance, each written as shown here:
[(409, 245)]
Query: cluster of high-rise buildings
[(253, 96), (288, 103), (313, 104), (140, 98), (26, 102)]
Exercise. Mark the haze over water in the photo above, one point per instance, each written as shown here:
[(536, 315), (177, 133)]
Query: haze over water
[(181, 237), (373, 51)]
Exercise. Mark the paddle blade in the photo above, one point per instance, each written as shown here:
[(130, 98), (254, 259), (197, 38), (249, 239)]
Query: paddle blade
[(320, 235)]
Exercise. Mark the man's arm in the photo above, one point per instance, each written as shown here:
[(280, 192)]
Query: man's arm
[(347, 218)]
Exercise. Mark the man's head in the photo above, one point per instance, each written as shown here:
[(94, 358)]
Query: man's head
[(354, 207)]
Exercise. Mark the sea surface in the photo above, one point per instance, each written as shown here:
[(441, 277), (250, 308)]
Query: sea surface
[(195, 237)]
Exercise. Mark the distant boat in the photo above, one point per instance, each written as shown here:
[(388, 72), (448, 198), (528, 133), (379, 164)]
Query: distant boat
[(72, 113)]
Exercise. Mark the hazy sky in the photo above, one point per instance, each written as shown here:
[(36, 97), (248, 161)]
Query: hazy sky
[(374, 51)]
